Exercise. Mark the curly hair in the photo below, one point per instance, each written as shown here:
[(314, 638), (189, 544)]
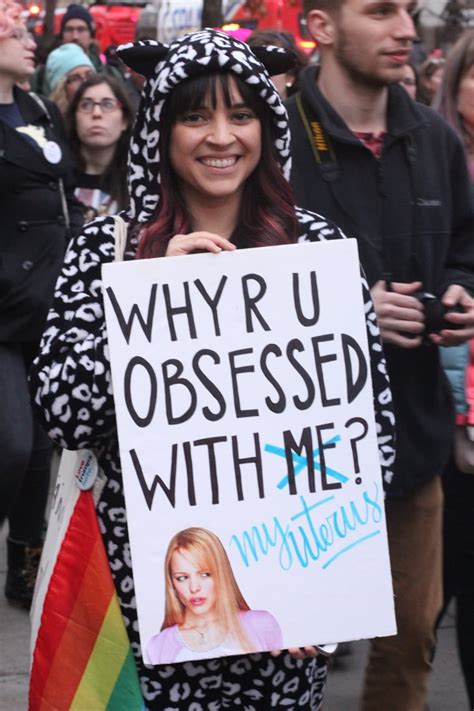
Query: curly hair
[(10, 18)]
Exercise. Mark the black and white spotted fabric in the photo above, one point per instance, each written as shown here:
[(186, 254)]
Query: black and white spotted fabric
[(201, 52), (72, 391)]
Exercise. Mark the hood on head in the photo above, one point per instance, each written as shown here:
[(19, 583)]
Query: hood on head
[(167, 66)]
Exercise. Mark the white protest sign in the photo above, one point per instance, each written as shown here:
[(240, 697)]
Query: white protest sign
[(245, 408)]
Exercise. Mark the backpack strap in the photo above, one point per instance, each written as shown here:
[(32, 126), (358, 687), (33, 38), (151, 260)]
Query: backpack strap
[(120, 235)]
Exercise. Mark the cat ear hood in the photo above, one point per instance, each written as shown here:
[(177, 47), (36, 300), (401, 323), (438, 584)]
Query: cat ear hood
[(167, 66)]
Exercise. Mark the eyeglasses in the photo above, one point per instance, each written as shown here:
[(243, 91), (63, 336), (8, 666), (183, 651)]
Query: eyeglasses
[(22, 35), (86, 106), (408, 81), (80, 29), (78, 78)]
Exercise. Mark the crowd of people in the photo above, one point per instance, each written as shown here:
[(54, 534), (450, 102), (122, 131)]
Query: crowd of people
[(392, 165)]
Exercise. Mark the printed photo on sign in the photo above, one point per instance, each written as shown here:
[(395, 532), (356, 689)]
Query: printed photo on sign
[(249, 450), (206, 614)]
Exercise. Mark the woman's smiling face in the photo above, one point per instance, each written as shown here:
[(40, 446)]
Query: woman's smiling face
[(193, 584), (214, 150)]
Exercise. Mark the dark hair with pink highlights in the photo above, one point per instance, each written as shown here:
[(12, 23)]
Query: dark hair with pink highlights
[(267, 214)]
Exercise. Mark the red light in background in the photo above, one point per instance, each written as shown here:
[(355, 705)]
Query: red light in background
[(34, 9)]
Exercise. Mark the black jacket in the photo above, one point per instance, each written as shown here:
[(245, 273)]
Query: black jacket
[(33, 232), (412, 215)]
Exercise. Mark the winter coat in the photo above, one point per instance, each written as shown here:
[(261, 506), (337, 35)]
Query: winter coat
[(33, 236), (455, 361), (411, 214)]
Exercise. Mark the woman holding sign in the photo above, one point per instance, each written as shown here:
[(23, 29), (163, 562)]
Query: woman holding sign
[(206, 614), (208, 166)]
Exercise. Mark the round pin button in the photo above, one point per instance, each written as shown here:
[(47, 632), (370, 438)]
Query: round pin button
[(87, 468), (52, 152)]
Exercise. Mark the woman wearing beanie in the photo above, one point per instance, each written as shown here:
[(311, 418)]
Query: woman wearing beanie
[(208, 167), (66, 68), (36, 202)]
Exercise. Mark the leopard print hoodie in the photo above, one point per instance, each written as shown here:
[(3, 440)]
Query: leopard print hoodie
[(72, 389)]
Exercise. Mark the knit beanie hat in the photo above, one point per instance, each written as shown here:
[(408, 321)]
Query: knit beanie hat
[(78, 12), (62, 60)]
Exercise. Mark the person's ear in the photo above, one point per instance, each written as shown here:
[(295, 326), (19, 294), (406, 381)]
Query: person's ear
[(321, 26), (143, 56)]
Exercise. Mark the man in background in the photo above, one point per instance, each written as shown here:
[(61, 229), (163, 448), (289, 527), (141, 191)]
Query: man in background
[(77, 26)]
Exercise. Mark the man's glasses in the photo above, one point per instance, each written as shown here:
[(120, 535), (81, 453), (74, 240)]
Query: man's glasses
[(80, 29), (86, 106), (78, 78)]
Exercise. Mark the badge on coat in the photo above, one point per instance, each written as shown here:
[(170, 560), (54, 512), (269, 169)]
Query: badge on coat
[(86, 470), (52, 152)]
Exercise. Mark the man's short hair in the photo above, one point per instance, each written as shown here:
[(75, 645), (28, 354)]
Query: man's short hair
[(325, 5)]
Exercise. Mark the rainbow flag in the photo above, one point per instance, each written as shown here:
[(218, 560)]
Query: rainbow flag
[(82, 660)]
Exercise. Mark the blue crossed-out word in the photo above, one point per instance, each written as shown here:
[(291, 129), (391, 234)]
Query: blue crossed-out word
[(301, 462)]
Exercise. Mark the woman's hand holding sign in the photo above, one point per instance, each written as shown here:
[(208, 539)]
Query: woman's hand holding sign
[(198, 242), (298, 652)]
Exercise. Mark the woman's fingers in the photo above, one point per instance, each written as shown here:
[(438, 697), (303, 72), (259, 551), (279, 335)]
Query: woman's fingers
[(198, 242), (303, 652), (298, 652)]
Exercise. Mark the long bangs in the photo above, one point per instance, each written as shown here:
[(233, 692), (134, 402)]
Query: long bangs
[(198, 556), (202, 90)]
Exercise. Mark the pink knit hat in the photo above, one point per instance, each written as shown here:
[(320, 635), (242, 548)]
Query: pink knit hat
[(10, 18)]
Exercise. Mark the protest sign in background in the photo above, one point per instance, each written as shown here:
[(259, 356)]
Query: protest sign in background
[(244, 406)]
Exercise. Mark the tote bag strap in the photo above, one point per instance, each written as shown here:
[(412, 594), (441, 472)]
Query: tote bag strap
[(121, 235)]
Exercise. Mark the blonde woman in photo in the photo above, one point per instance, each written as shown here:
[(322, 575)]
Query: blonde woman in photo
[(206, 614)]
